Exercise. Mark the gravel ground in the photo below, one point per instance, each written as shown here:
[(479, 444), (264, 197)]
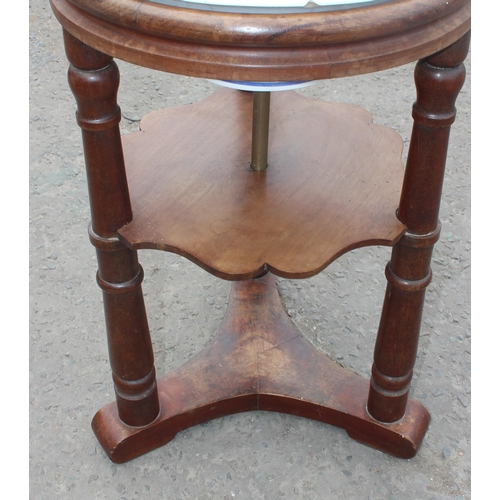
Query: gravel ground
[(255, 455)]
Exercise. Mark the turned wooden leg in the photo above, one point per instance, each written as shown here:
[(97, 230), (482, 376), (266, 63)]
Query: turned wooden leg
[(438, 79), (94, 80)]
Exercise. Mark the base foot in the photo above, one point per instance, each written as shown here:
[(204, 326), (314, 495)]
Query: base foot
[(258, 361)]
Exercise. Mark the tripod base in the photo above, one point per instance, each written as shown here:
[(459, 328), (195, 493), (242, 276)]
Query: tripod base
[(258, 361)]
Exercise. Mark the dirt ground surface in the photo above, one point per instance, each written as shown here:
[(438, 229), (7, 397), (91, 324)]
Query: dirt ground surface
[(256, 455)]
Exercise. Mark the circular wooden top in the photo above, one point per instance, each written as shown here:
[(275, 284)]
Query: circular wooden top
[(310, 44)]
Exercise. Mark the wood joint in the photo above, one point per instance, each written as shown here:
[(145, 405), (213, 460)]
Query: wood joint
[(407, 285), (413, 240), (119, 288), (110, 244)]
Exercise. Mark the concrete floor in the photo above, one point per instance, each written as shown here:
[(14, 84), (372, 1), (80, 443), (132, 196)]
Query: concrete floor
[(254, 455)]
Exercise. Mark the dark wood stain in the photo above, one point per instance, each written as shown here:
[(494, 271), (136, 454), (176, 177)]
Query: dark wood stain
[(333, 183)]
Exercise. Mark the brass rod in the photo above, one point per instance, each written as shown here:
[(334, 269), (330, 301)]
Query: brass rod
[(260, 130)]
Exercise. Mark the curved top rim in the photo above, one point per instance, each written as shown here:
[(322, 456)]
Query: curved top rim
[(312, 28), (265, 48)]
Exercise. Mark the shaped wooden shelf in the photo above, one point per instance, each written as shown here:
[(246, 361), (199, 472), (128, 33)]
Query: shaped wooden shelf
[(333, 184)]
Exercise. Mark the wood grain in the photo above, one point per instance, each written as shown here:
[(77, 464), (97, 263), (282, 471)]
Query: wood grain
[(332, 185), (257, 47), (93, 78), (258, 361), (438, 81)]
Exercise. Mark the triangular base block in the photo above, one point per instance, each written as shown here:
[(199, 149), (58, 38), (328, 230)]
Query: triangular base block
[(258, 361)]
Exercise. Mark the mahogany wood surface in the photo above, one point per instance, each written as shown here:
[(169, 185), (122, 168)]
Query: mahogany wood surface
[(332, 184), (93, 78), (271, 47), (258, 361), (438, 79)]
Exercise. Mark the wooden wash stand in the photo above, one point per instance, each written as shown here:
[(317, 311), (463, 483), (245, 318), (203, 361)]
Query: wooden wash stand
[(249, 187)]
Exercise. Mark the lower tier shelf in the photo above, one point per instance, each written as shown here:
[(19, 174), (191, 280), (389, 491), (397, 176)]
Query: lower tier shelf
[(332, 184), (258, 361)]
